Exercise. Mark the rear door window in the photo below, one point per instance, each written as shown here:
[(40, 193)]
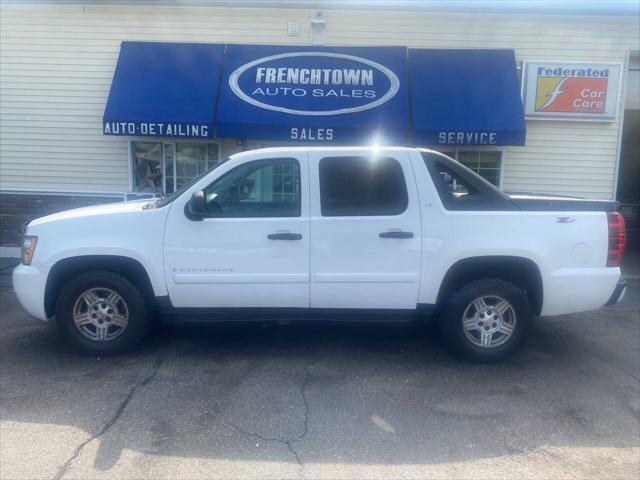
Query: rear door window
[(362, 186)]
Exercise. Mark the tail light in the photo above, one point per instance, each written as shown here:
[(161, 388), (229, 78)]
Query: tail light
[(617, 239)]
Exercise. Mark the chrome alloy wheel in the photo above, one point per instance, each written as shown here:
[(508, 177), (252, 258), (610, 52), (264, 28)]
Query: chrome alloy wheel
[(100, 314), (489, 321)]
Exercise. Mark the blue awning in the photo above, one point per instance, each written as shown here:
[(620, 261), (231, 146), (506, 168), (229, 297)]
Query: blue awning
[(321, 94), (164, 89), (465, 97), (333, 95)]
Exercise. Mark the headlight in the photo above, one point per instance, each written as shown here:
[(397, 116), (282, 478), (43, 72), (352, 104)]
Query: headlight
[(27, 248)]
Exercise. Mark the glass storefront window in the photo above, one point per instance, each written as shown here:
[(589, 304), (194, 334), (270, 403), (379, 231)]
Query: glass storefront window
[(147, 167), (164, 167), (169, 168), (286, 182), (192, 159), (487, 164)]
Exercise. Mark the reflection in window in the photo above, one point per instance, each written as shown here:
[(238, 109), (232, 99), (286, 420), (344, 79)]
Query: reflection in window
[(264, 188), (147, 167), (286, 184), (455, 185)]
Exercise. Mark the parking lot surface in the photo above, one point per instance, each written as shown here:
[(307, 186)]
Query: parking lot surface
[(312, 402)]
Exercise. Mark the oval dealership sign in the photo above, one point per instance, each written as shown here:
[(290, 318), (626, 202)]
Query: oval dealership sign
[(314, 83)]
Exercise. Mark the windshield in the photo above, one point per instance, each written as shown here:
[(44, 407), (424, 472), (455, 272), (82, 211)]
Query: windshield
[(166, 200)]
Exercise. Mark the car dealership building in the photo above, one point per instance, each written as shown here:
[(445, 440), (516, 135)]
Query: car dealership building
[(107, 101)]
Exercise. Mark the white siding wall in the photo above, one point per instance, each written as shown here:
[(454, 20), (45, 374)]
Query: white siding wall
[(56, 64)]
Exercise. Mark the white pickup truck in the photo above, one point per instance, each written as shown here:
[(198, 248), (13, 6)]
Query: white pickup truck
[(379, 234)]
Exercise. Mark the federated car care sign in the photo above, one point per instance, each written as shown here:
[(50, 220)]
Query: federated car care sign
[(586, 91), (318, 94)]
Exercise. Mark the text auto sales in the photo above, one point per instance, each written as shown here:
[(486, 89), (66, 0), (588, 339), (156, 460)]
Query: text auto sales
[(156, 129), (315, 76)]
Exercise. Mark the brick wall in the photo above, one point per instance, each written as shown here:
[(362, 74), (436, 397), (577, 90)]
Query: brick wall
[(15, 209)]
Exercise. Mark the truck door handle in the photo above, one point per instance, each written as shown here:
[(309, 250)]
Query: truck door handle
[(396, 234), (284, 236)]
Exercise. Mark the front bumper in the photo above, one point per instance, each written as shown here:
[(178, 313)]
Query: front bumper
[(29, 283), (618, 293)]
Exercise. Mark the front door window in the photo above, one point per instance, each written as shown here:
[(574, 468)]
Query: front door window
[(264, 188)]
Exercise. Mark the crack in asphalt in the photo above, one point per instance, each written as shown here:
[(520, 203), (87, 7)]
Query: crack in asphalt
[(289, 441), (62, 470)]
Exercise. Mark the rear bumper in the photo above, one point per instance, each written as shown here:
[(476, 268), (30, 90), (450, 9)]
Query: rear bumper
[(574, 290), (618, 293)]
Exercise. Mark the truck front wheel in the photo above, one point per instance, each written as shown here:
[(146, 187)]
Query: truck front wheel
[(102, 313), (486, 320)]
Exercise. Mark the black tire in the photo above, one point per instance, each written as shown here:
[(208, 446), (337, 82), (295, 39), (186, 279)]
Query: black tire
[(452, 315), (129, 338)]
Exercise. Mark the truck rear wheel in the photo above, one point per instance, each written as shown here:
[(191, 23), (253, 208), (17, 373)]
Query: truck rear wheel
[(102, 313), (486, 320)]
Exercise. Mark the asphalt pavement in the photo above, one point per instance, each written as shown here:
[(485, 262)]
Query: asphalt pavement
[(303, 401)]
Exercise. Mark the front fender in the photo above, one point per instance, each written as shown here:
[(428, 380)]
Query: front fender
[(154, 270)]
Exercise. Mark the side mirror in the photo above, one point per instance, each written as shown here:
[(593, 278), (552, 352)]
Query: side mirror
[(195, 208)]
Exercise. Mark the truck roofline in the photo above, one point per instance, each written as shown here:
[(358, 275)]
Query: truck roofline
[(360, 148)]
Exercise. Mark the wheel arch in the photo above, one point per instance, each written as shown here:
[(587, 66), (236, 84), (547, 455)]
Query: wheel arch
[(522, 272), (67, 268)]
